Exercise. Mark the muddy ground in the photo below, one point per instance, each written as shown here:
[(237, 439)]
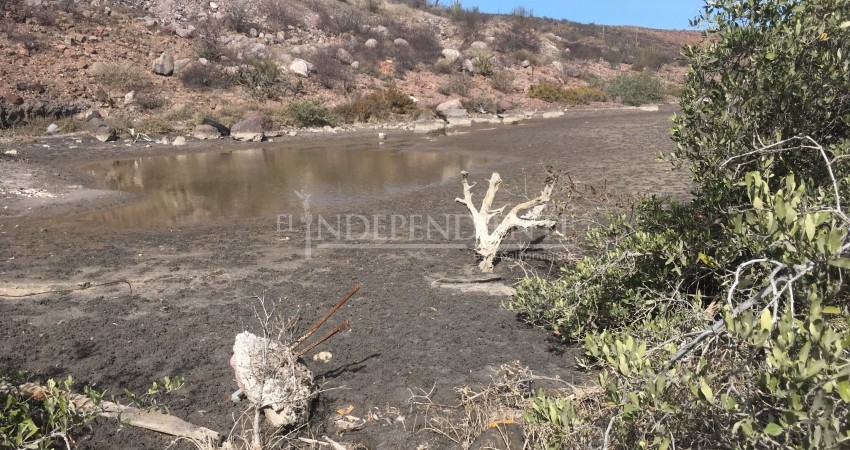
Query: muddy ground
[(194, 288)]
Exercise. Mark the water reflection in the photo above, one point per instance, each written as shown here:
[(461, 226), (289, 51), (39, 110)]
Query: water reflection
[(185, 189)]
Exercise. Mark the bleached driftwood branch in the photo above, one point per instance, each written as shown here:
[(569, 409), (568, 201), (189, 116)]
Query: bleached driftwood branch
[(486, 242), (151, 420)]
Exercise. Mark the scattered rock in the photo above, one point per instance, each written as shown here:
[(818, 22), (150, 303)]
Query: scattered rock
[(130, 98), (382, 30), (164, 65), (468, 66), (179, 140), (185, 32), (12, 152), (301, 68), (399, 42), (253, 32), (430, 127), (451, 108), (182, 63), (526, 63), (105, 133), (552, 114), (355, 65), (558, 66), (451, 54), (204, 132), (250, 129), (53, 128), (382, 136), (343, 56)]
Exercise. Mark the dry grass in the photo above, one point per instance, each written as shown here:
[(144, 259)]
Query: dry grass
[(122, 76)]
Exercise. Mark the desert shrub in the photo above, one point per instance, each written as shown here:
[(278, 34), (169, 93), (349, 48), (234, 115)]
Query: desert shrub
[(330, 70), (458, 84), (208, 42), (311, 113), (569, 96), (526, 55), (520, 36), (483, 64), (483, 105), (423, 46), (636, 90), (149, 100), (241, 15), (379, 105), (122, 76), (263, 78), (652, 59), (502, 81), (722, 322), (470, 21), (445, 67), (204, 76), (282, 14)]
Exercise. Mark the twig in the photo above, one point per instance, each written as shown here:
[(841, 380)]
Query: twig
[(324, 338), (84, 286), (327, 316)]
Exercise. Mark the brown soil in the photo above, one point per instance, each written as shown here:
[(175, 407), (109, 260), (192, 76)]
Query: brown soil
[(193, 289)]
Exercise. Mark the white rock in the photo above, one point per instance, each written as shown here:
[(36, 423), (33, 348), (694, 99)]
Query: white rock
[(129, 97), (552, 114), (301, 68), (179, 140), (382, 136), (451, 54), (649, 108), (53, 128)]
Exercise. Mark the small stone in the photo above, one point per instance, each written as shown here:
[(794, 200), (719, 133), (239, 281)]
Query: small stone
[(53, 128), (105, 133), (130, 98)]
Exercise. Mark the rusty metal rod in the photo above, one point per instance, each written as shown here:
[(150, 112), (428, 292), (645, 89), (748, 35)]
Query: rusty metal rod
[(325, 318), (324, 338)]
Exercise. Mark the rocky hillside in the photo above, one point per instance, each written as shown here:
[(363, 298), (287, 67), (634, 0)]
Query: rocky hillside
[(160, 66)]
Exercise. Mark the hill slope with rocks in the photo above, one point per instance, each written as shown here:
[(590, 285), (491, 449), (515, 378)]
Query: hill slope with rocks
[(163, 66)]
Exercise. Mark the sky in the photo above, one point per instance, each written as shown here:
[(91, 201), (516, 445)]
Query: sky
[(665, 14)]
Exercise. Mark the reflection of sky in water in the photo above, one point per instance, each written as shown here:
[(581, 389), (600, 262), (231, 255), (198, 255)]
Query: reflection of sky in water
[(184, 189)]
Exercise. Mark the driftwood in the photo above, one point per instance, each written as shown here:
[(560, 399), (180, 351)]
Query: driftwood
[(486, 242), (128, 415)]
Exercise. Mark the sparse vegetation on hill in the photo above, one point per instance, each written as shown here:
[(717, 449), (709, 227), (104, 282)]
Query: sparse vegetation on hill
[(295, 50)]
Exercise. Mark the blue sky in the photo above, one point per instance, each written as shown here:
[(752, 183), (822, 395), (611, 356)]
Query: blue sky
[(666, 14)]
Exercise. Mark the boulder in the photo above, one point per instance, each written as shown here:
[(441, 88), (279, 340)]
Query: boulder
[(105, 133), (451, 54), (204, 132), (451, 108), (399, 42), (250, 129), (185, 32), (343, 56), (301, 68), (164, 65)]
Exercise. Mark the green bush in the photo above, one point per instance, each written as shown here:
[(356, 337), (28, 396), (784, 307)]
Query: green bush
[(553, 93), (41, 423), (311, 113), (636, 90), (722, 322)]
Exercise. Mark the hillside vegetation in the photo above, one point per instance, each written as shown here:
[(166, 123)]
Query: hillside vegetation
[(223, 59)]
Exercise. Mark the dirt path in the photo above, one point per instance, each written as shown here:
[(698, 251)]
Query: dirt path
[(193, 289)]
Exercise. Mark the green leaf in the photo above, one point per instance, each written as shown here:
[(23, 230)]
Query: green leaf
[(831, 310), (773, 429), (766, 319), (706, 391), (843, 388), (843, 263), (809, 225)]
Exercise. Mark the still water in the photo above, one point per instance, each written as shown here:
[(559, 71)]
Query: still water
[(202, 187)]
